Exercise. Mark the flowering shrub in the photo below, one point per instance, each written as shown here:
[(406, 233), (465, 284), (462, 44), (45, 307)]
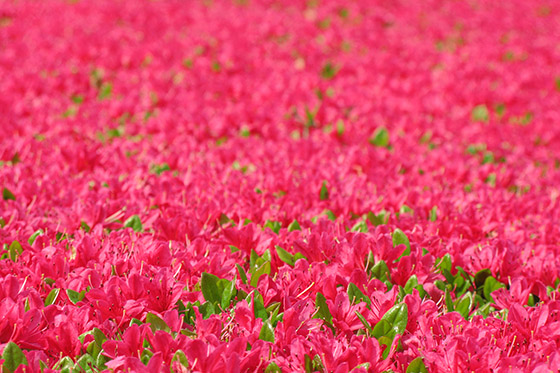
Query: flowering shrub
[(279, 186)]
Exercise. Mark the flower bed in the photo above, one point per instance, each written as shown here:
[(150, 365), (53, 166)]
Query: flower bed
[(278, 186)]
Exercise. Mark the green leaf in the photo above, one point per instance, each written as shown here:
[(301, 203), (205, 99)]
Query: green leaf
[(266, 256), (298, 256), (475, 148), (340, 128), (288, 258), (381, 218), (267, 332), (6, 195), (210, 290), (15, 250), (83, 364), (522, 120), (355, 295), (134, 223), (244, 131), (273, 368), (480, 113), (75, 296), (113, 133), (253, 260), (100, 362), (421, 291), (158, 169), (228, 292), (181, 358), (360, 226), (400, 238), (96, 78), (363, 366), (490, 286), (440, 285), (411, 284), (258, 306), (65, 365), (285, 256), (392, 323), (444, 263), (208, 309), (464, 304), (416, 366), (460, 285), (406, 210), (329, 71), (500, 109), (364, 322), (34, 236), (273, 307), (330, 215), (156, 323), (488, 158), (15, 159), (105, 91), (274, 310), (77, 99), (313, 365), (380, 137), (309, 118), (242, 273), (387, 342), (448, 301), (308, 364), (52, 297), (533, 300), (382, 328), (380, 271), (324, 193), (95, 347), (481, 276), (43, 365), (433, 213), (13, 357), (323, 311), (146, 354), (224, 219), (464, 273), (294, 226), (70, 112), (426, 137), (484, 310), (264, 269), (216, 67), (2, 223), (318, 364), (85, 226), (273, 225)]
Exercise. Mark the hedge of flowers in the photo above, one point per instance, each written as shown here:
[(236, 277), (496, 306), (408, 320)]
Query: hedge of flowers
[(279, 186)]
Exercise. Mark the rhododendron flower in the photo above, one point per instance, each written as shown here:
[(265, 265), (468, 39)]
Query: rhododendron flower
[(260, 186)]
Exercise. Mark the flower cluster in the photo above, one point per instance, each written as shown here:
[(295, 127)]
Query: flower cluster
[(279, 186)]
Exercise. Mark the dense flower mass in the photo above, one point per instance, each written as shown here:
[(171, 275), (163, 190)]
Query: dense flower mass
[(280, 186)]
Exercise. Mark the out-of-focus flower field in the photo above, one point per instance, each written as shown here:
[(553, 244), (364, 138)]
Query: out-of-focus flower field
[(279, 186)]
